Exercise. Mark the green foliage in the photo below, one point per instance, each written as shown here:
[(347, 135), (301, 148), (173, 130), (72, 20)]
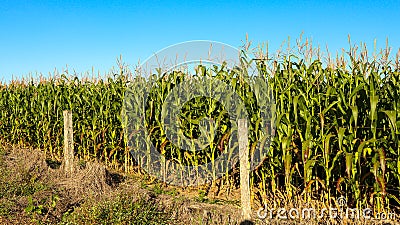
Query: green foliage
[(158, 189), (119, 210), (40, 207), (24, 185)]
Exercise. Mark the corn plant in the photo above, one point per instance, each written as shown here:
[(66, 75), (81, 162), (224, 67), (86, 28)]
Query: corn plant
[(336, 124)]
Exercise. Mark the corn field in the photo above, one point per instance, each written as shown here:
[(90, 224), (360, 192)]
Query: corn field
[(336, 123)]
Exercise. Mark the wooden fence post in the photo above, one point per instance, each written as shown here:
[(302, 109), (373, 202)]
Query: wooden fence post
[(244, 169), (68, 143)]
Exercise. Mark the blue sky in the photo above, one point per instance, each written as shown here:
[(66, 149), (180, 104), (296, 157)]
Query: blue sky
[(39, 36)]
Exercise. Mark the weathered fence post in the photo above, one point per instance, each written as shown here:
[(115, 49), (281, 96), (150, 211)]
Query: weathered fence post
[(68, 143), (244, 169)]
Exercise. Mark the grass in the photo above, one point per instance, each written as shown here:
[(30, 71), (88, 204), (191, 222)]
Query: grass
[(118, 210)]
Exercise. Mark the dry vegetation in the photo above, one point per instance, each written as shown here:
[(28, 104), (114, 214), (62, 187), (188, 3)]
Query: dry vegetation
[(32, 192)]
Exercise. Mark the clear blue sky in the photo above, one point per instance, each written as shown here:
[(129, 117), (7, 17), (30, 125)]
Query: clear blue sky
[(39, 36)]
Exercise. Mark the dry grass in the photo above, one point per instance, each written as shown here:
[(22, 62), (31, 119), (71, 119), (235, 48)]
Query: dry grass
[(92, 190), (89, 180)]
